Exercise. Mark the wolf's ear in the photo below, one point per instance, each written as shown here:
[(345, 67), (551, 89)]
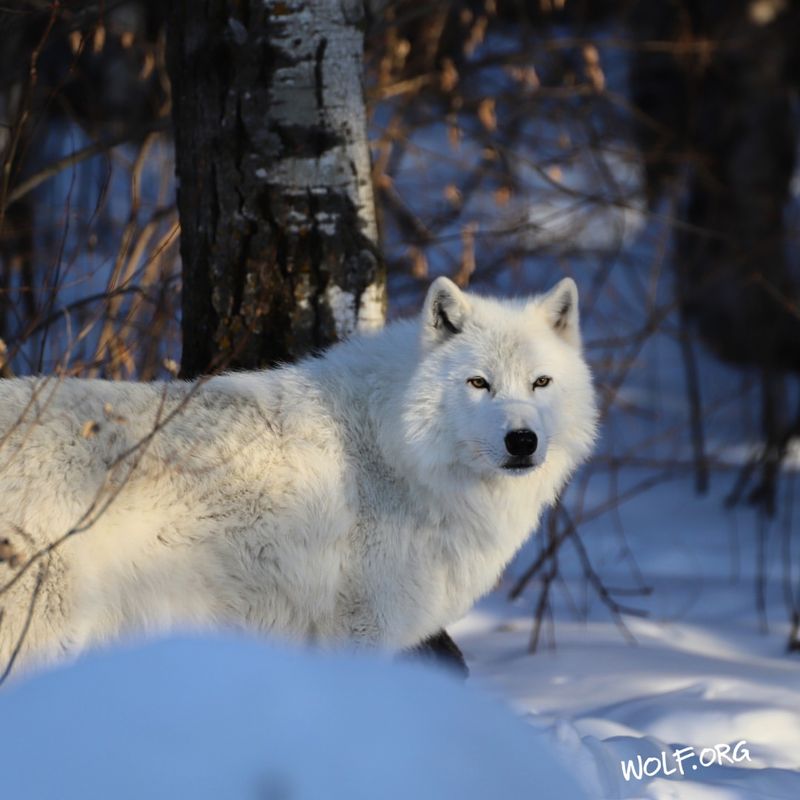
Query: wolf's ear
[(445, 311), (560, 305)]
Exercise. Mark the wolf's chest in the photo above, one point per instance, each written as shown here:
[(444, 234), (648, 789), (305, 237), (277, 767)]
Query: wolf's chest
[(463, 558)]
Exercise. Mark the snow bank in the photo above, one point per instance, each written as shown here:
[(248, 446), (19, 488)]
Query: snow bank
[(229, 719)]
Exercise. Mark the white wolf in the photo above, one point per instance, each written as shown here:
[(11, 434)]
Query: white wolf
[(371, 494)]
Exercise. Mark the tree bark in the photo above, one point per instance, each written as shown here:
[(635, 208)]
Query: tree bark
[(279, 240)]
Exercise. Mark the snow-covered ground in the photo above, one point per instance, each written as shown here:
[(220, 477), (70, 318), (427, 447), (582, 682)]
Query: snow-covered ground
[(700, 674)]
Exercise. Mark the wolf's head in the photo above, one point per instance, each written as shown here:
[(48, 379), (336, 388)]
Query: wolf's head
[(502, 387)]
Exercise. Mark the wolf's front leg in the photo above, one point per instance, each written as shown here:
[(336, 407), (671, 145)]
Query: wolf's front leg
[(371, 629)]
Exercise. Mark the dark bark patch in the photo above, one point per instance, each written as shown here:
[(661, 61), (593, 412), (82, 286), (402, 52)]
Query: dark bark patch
[(319, 82)]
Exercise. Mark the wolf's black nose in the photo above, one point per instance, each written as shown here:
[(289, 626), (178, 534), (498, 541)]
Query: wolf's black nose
[(521, 443)]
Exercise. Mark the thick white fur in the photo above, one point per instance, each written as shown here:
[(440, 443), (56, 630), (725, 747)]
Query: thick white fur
[(356, 496)]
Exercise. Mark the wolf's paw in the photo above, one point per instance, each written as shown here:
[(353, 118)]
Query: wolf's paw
[(442, 650)]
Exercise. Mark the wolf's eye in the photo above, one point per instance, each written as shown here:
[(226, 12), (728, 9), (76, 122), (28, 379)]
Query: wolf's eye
[(479, 383), (542, 380)]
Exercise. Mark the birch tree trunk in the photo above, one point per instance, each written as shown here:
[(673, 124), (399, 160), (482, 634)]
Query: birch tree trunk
[(278, 233)]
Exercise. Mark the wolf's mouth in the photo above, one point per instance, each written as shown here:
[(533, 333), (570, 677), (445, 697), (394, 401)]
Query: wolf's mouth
[(518, 464)]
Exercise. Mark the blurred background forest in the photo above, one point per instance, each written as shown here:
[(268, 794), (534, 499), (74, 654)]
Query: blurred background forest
[(646, 148)]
